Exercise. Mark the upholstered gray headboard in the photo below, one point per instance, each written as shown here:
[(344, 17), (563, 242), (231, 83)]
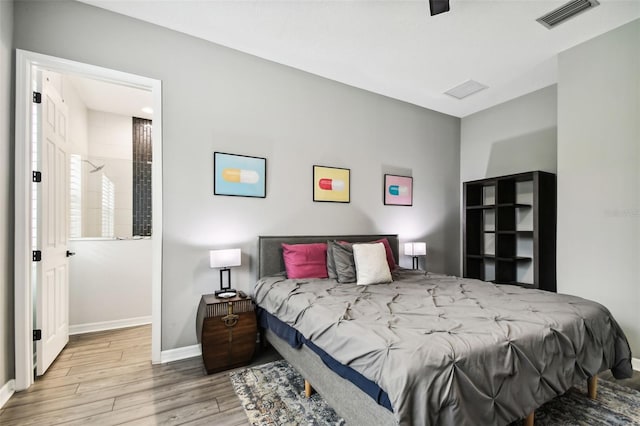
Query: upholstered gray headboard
[(270, 249)]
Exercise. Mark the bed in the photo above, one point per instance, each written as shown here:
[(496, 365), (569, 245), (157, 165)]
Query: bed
[(429, 348)]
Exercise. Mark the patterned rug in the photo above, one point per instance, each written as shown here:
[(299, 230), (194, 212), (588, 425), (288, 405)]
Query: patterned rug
[(273, 394)]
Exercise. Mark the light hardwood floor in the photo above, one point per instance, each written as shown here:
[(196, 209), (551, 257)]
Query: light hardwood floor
[(107, 378)]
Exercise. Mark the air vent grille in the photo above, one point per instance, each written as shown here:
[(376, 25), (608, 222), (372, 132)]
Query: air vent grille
[(465, 89), (566, 11)]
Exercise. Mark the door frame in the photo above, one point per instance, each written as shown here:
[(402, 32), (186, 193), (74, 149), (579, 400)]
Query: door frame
[(23, 316)]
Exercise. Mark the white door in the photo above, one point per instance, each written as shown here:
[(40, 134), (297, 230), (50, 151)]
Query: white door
[(52, 300)]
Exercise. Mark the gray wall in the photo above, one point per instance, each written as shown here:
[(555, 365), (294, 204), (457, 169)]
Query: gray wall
[(6, 192), (599, 174), (215, 98), (516, 136)]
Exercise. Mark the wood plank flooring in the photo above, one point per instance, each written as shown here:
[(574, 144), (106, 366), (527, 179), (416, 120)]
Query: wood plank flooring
[(107, 378)]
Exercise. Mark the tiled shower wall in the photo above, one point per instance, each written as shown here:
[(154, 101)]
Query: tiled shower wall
[(109, 145), (142, 160)]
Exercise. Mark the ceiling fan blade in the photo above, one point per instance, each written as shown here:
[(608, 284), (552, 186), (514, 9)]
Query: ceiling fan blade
[(438, 6)]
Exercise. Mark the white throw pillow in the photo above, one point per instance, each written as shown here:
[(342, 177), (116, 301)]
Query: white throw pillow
[(371, 264)]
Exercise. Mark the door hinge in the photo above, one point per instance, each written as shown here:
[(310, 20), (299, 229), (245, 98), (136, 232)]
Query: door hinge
[(37, 335), (37, 177), (37, 97), (37, 256)]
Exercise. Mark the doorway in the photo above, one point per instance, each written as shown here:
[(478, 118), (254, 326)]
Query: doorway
[(28, 64)]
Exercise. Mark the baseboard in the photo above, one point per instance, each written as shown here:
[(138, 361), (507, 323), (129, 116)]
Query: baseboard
[(108, 325), (6, 391), (636, 363), (180, 353)]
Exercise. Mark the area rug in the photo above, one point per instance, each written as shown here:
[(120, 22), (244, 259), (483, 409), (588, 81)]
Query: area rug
[(273, 394)]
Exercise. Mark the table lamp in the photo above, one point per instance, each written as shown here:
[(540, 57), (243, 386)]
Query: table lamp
[(414, 250), (225, 259)]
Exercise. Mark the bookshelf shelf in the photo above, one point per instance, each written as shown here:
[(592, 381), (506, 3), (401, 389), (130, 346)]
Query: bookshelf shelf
[(510, 230)]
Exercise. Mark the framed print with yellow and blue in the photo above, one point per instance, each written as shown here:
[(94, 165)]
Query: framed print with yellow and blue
[(239, 175)]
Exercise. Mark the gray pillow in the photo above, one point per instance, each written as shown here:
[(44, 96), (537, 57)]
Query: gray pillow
[(344, 263), (331, 264)]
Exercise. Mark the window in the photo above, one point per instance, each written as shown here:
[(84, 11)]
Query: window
[(75, 196), (108, 207)]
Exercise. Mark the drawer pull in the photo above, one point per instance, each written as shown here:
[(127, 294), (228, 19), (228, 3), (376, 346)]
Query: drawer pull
[(230, 320)]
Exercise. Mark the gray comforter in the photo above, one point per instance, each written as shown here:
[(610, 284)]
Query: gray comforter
[(450, 350)]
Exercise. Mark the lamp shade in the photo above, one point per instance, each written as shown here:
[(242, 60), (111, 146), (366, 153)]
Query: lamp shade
[(415, 249), (225, 258)]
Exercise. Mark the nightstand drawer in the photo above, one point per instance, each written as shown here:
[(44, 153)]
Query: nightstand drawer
[(228, 336), (225, 346)]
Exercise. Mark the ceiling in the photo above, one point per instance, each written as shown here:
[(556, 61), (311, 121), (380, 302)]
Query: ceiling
[(114, 98), (394, 47)]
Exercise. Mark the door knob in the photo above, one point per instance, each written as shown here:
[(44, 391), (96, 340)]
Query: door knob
[(70, 253)]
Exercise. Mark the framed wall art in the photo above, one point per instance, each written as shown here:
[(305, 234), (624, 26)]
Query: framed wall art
[(398, 190), (239, 175), (331, 184)]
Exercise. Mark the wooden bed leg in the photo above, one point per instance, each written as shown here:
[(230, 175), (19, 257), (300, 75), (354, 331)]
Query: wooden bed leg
[(528, 421), (592, 387), (308, 390)]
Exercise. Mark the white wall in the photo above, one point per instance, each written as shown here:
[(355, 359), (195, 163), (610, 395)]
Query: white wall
[(104, 139), (599, 174), (6, 193), (516, 136), (110, 281), (217, 99)]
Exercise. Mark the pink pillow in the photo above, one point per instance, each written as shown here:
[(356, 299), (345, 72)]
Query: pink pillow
[(305, 260), (387, 247)]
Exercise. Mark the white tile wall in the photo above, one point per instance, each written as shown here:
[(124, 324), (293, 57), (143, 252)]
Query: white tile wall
[(110, 143), (110, 135)]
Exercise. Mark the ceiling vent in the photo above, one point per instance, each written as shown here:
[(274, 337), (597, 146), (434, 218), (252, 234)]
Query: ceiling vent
[(465, 89), (566, 11)]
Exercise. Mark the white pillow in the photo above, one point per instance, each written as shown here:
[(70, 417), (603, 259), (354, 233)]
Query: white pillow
[(371, 264)]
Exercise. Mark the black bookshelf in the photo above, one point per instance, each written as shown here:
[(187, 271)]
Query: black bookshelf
[(510, 230)]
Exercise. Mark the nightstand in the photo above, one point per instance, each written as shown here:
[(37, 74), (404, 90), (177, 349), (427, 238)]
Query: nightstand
[(227, 331)]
